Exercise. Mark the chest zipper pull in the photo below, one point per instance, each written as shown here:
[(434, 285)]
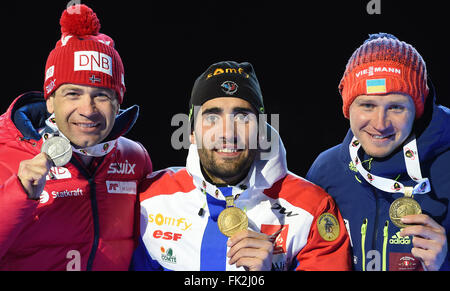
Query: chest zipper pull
[(363, 243), (385, 240), (202, 210)]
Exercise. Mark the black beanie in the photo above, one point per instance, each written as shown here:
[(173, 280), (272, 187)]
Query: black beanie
[(227, 79)]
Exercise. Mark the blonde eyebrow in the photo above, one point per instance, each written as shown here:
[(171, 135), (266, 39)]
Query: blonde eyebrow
[(71, 88)]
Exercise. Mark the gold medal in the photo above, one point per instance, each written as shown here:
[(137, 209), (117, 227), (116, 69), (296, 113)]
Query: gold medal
[(401, 207), (232, 219)]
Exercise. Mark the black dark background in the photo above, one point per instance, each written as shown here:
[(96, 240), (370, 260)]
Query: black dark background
[(299, 50)]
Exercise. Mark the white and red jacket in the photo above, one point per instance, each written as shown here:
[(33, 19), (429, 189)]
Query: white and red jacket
[(302, 220), (85, 218)]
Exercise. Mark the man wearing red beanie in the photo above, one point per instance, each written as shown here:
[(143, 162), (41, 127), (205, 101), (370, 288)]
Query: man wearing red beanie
[(390, 176), (68, 177)]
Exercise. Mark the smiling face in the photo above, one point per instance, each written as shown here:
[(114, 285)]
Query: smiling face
[(84, 114), (224, 129), (382, 122)]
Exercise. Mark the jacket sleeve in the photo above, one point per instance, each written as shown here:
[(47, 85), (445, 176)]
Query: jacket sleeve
[(15, 209), (142, 261), (328, 245), (148, 169), (326, 163), (313, 174)]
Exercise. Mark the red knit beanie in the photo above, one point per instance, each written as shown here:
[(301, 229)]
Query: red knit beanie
[(83, 56), (384, 65)]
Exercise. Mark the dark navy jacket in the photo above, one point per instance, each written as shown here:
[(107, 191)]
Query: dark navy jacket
[(376, 242)]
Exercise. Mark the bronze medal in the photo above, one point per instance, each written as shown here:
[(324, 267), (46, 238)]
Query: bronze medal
[(232, 219), (401, 207)]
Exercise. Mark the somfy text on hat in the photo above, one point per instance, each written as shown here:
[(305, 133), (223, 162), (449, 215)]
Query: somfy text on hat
[(83, 56), (384, 65)]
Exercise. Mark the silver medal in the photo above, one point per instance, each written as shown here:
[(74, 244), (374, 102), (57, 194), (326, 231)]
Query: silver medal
[(58, 149)]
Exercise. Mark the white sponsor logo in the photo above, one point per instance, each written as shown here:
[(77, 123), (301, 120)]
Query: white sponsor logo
[(49, 73), (370, 71), (44, 197), (107, 42), (50, 86), (121, 168), (92, 61), (121, 187), (65, 39), (58, 173), (67, 193), (61, 194)]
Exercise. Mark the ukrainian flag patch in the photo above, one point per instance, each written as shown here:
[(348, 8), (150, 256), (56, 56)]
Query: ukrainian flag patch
[(375, 86)]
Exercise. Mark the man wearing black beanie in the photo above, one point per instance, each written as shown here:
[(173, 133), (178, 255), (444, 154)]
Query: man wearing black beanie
[(231, 207), (229, 79)]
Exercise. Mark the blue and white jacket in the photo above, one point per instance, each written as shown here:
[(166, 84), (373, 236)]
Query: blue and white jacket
[(179, 211), (376, 242)]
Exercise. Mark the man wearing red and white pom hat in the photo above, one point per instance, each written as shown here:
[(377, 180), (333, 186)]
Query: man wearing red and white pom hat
[(68, 177)]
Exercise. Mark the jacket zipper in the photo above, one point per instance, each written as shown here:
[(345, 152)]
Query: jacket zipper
[(377, 215), (375, 232), (94, 207)]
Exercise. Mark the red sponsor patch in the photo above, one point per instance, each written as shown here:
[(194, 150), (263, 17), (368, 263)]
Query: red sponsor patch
[(278, 235), (404, 262)]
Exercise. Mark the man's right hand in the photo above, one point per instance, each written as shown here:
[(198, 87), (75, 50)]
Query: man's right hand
[(32, 174)]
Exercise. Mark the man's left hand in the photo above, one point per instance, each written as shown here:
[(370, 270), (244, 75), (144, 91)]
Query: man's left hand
[(251, 250), (429, 241)]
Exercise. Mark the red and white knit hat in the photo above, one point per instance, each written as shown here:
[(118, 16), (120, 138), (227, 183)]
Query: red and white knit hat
[(83, 56), (383, 65)]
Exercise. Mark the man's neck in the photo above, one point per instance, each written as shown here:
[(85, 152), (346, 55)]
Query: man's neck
[(218, 181), (86, 160)]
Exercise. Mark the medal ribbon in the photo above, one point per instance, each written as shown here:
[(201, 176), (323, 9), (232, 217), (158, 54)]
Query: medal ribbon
[(412, 163), (97, 150)]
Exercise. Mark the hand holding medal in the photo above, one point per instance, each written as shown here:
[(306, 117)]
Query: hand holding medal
[(56, 151), (248, 249)]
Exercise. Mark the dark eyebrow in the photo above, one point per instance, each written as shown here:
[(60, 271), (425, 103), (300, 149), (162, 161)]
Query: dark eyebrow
[(243, 110), (218, 110), (212, 110)]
